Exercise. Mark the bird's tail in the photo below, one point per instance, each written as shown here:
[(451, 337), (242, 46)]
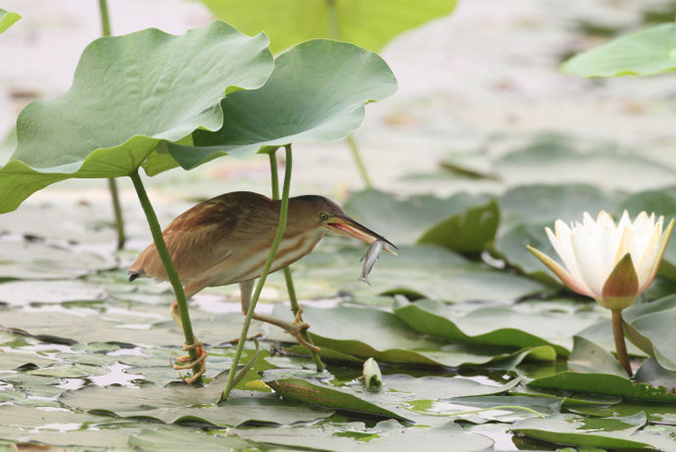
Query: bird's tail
[(136, 274)]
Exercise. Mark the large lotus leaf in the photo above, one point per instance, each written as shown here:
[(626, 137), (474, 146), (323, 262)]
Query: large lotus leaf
[(316, 92), (370, 24), (528, 324), (649, 51), (405, 220), (612, 433), (128, 93), (7, 19)]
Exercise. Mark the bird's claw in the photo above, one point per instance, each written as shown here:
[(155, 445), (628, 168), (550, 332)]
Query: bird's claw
[(190, 363), (298, 327)]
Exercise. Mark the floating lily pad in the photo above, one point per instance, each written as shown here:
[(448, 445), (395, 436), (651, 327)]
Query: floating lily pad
[(38, 260), (176, 439), (323, 396), (386, 435), (318, 90), (531, 324), (406, 220), (181, 404), (385, 337), (370, 25), (26, 292), (422, 271), (468, 232), (113, 116), (570, 429), (645, 52)]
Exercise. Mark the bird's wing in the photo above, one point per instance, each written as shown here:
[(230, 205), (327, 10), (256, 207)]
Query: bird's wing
[(197, 240)]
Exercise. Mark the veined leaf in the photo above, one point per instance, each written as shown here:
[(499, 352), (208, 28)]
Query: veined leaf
[(316, 92), (130, 92)]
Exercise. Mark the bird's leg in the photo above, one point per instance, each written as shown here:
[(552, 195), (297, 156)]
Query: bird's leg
[(190, 290), (293, 328)]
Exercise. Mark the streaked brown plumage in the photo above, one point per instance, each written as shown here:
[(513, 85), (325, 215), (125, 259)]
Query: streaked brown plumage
[(227, 239)]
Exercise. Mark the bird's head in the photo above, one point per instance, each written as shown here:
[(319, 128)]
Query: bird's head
[(322, 214)]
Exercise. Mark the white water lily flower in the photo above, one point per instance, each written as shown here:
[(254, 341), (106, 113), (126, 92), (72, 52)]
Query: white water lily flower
[(612, 263)]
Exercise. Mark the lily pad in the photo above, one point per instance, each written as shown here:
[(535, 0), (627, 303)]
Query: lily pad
[(370, 25), (531, 324), (182, 404), (113, 116), (386, 338), (175, 440), (467, 232), (7, 19), (39, 260), (355, 436), (318, 90), (570, 429), (422, 271), (300, 390), (645, 52), (406, 220)]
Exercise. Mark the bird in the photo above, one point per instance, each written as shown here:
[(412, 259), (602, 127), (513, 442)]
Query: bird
[(226, 240)]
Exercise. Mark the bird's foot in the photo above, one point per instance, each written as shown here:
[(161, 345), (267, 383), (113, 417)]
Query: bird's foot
[(298, 327), (190, 363)]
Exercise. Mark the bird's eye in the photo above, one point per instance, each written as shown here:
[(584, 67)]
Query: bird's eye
[(323, 216)]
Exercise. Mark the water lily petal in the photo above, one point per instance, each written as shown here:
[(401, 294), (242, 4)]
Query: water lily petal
[(621, 288), (594, 269), (562, 245), (664, 241), (559, 271)]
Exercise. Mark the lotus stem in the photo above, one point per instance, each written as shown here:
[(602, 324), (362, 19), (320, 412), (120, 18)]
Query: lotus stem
[(117, 209), (112, 185), (288, 278), (356, 154), (620, 345), (334, 33), (264, 274), (163, 252)]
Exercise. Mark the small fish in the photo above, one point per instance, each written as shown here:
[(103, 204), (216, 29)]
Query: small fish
[(370, 259)]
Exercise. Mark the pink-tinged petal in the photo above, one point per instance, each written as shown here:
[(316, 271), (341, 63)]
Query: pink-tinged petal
[(664, 241), (559, 271), (621, 287)]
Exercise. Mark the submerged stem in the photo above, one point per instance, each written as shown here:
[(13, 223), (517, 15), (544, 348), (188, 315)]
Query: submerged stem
[(172, 274), (288, 278), (264, 274), (620, 345), (112, 185)]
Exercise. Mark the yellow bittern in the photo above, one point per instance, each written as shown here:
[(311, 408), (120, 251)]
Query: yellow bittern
[(227, 239)]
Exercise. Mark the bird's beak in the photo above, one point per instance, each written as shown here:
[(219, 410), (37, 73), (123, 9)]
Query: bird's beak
[(347, 226)]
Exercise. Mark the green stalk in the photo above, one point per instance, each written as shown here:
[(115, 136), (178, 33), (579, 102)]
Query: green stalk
[(112, 185), (290, 288), (264, 274), (163, 252), (359, 161), (620, 346), (334, 33)]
